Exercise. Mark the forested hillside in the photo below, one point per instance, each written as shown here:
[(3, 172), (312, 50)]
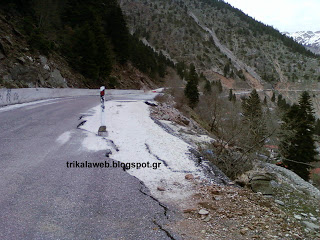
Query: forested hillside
[(220, 39), (91, 36)]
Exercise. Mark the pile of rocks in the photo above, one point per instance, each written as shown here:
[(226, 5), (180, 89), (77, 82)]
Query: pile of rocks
[(228, 212)]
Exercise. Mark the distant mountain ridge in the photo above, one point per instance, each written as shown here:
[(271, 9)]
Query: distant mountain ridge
[(311, 40)]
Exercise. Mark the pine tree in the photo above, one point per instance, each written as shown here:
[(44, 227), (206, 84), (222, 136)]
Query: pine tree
[(118, 31), (226, 69), (220, 89), (282, 103), (103, 58), (273, 98), (253, 118), (297, 143), (230, 95), (191, 90), (317, 127), (207, 87), (234, 98), (162, 70), (265, 102), (181, 69)]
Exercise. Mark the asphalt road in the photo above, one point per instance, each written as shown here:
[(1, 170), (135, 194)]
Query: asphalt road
[(40, 198)]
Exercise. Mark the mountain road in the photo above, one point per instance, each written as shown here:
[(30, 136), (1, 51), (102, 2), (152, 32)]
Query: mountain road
[(41, 198)]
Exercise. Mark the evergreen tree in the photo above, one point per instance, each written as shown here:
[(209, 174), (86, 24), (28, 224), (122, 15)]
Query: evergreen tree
[(118, 31), (265, 102), (297, 143), (253, 118), (219, 85), (230, 95), (181, 69), (234, 98), (103, 58), (273, 98), (162, 70), (282, 103), (317, 127), (191, 90), (226, 69), (207, 87)]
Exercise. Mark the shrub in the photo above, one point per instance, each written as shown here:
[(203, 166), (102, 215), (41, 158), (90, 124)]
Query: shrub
[(315, 179), (230, 161), (113, 82)]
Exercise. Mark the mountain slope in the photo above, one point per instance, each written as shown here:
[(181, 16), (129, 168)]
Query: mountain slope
[(72, 43), (311, 40), (186, 29)]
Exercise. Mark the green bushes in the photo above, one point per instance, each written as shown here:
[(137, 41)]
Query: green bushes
[(37, 41)]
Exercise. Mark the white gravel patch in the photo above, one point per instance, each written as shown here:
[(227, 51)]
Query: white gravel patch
[(140, 140)]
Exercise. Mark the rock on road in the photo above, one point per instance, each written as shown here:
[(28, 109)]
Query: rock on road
[(41, 198)]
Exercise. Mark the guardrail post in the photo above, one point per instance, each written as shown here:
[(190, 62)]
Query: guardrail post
[(102, 129)]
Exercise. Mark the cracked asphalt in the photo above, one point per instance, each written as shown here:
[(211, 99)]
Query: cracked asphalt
[(41, 198)]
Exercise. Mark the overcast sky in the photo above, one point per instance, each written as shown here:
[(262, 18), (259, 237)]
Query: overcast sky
[(284, 15)]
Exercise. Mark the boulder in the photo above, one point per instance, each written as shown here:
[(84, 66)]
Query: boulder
[(189, 177), (279, 202), (185, 121), (161, 189), (166, 117), (203, 212), (43, 60), (207, 218), (56, 79), (21, 60), (298, 217), (18, 71), (310, 225), (189, 210), (261, 182), (313, 219), (262, 186), (244, 231)]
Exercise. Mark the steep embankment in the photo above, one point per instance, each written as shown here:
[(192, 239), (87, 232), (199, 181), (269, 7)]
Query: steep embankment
[(73, 44), (22, 67)]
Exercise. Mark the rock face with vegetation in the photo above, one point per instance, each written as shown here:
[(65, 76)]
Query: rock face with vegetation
[(221, 40), (71, 43)]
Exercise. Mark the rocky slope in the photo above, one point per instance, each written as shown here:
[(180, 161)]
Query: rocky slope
[(309, 39), (275, 203), (20, 67), (46, 44)]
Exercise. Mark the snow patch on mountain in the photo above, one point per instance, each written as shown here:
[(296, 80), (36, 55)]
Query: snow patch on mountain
[(307, 38)]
